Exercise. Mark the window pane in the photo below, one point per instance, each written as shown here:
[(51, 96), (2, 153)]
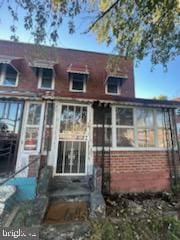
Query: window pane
[(125, 137), (34, 114), (77, 84), (124, 116), (78, 76), (146, 138), (10, 76), (2, 109), (67, 158), (161, 138), (47, 75), (144, 117), (99, 137), (73, 122), (31, 139), (160, 118), (78, 81), (112, 88), (102, 115), (84, 115), (50, 112)]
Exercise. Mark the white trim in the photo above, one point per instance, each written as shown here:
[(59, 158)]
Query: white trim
[(88, 160), (40, 75), (23, 155), (39, 126), (115, 94), (119, 149), (135, 127), (71, 84), (116, 76), (3, 75)]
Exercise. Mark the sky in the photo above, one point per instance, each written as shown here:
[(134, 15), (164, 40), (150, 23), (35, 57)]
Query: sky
[(147, 83)]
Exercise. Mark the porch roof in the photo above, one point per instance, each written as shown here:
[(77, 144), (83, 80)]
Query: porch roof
[(120, 100), (145, 102)]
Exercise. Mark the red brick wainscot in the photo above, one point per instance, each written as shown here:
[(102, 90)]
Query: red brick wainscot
[(136, 171)]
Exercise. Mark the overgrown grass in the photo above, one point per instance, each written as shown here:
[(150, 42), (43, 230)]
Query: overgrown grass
[(149, 227), (102, 230)]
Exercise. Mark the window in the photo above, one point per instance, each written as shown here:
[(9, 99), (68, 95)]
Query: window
[(113, 85), (73, 122), (102, 116), (45, 78), (8, 75), (130, 127), (178, 112), (125, 127), (78, 82), (145, 127), (32, 127)]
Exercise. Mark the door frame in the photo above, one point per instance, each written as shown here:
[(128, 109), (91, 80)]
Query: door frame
[(57, 123), (23, 155)]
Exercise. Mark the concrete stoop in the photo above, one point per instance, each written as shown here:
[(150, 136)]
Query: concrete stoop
[(70, 199)]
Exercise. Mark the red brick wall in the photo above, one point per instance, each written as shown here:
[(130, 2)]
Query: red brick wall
[(137, 171), (96, 62)]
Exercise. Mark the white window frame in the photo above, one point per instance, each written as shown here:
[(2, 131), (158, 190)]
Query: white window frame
[(126, 127), (71, 83), (40, 125), (136, 147), (109, 93), (45, 151), (40, 74), (3, 75)]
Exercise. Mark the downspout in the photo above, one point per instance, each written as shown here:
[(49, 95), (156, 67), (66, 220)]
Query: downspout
[(172, 148)]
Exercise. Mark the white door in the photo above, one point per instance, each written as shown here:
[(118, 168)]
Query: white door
[(31, 134), (72, 140)]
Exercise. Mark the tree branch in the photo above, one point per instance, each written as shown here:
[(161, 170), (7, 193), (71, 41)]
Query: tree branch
[(102, 15)]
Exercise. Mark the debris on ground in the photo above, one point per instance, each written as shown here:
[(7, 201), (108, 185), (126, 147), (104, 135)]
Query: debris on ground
[(139, 217)]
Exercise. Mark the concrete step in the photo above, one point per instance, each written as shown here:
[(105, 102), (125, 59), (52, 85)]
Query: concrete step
[(69, 189)]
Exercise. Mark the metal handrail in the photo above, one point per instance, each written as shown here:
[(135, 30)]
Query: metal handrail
[(14, 174)]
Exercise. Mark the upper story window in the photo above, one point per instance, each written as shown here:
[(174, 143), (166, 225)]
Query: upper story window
[(8, 75), (45, 78), (78, 82), (113, 85)]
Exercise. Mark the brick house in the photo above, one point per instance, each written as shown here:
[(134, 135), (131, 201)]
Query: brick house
[(66, 108)]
